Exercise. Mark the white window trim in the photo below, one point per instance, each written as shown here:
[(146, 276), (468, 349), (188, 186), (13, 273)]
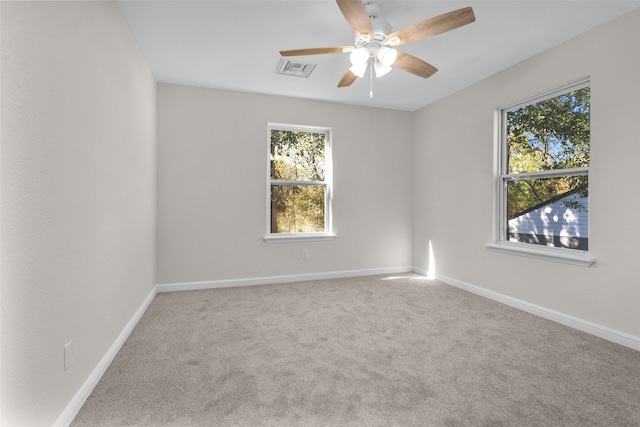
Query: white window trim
[(501, 245), (562, 255), (328, 183), (298, 237)]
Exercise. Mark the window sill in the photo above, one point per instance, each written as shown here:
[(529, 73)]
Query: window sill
[(565, 256), (282, 238)]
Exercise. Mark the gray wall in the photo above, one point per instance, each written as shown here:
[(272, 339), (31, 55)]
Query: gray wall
[(78, 197), (455, 184), (212, 186)]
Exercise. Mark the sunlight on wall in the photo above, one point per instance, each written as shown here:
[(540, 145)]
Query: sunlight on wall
[(431, 273)]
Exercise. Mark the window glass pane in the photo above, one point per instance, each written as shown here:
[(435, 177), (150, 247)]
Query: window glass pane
[(550, 134), (297, 156), (550, 211), (297, 208)]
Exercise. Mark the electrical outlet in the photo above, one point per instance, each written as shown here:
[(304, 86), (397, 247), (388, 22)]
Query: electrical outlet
[(68, 356), (305, 254)]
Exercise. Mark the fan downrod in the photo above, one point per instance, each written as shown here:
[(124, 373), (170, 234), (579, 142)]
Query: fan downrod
[(381, 29)]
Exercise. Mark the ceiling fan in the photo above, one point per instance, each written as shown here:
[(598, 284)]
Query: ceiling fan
[(375, 41)]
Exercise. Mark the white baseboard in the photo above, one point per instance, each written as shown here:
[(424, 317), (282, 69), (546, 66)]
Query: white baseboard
[(600, 331), (83, 393), (228, 283)]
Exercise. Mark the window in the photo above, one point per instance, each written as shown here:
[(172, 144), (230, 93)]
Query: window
[(299, 199), (544, 170)]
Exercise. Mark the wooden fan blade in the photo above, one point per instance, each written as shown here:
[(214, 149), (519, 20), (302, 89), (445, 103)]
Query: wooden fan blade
[(431, 27), (357, 16), (317, 51), (347, 79), (414, 65)]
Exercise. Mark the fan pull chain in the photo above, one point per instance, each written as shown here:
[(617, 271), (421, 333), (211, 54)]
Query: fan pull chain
[(371, 78)]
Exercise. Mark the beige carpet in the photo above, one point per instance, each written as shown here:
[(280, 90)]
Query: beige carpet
[(367, 351)]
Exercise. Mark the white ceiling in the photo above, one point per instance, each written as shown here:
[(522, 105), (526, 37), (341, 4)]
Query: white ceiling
[(234, 45)]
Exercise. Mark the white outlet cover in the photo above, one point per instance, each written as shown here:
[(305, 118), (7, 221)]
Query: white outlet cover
[(68, 356)]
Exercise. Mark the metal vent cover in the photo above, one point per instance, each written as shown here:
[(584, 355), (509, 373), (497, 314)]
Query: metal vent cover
[(297, 69)]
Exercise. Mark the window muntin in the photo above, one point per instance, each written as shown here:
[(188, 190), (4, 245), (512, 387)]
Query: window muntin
[(544, 192), (299, 181)]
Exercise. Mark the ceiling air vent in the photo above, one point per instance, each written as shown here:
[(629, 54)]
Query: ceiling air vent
[(297, 69)]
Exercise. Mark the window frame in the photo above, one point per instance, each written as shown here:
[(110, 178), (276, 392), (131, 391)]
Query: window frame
[(502, 243), (327, 234)]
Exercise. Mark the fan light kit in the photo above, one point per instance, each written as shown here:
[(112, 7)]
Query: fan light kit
[(375, 41)]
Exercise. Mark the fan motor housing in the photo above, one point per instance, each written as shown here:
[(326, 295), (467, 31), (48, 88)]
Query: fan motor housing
[(380, 31)]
